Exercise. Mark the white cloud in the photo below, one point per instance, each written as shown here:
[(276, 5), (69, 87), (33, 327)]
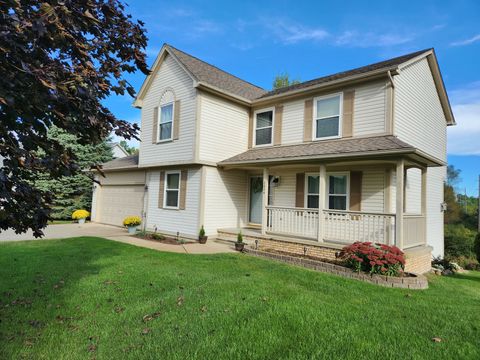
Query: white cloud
[(463, 138), (354, 38), (290, 33), (466, 41)]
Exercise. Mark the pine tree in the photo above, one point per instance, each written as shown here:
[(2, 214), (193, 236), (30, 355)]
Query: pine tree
[(72, 191)]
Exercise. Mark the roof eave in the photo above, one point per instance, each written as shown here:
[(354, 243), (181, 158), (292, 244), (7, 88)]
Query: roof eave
[(217, 91), (402, 151), (349, 79), (138, 102)]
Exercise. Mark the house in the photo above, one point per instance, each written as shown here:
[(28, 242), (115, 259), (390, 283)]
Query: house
[(117, 150), (355, 156)]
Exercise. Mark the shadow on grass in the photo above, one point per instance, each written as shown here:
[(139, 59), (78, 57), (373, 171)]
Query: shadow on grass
[(40, 284), (467, 276)]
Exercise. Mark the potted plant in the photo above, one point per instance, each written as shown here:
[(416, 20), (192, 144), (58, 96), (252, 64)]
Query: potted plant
[(131, 222), (201, 236), (80, 215), (239, 245)]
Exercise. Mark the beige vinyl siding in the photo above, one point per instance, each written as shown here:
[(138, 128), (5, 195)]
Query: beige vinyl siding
[(413, 191), (292, 124), (95, 199), (435, 179), (225, 199), (122, 178), (284, 194), (372, 189), (369, 109), (170, 76), (419, 118), (170, 220), (373, 183), (223, 128)]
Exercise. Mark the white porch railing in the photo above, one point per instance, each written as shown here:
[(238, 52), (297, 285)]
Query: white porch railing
[(413, 230), (292, 221), (350, 226)]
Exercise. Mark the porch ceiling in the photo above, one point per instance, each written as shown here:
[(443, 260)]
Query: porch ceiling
[(378, 147)]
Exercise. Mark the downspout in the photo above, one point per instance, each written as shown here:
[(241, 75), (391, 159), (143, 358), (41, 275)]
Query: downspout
[(391, 102), (145, 200), (389, 73)]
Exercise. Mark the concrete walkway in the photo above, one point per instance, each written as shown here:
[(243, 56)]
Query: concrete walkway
[(118, 234)]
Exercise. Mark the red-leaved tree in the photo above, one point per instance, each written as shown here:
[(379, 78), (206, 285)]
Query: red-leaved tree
[(59, 59)]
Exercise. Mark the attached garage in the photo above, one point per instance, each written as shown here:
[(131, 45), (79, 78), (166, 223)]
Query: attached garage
[(119, 201), (120, 193)]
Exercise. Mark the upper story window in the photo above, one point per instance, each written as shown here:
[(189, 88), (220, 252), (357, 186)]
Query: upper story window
[(264, 127), (327, 116), (165, 122)]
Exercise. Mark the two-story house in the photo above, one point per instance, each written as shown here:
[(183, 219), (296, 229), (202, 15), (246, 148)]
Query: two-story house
[(355, 156)]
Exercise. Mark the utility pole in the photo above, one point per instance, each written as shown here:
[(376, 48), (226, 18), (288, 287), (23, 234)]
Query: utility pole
[(478, 211)]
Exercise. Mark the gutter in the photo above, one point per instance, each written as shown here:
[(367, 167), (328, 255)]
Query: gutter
[(392, 70), (320, 157)]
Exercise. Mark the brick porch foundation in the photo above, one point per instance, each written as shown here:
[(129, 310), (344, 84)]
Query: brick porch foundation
[(418, 259)]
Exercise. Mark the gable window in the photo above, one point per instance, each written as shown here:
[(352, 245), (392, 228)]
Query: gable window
[(263, 127), (313, 186), (337, 191), (172, 189), (165, 122), (327, 122)]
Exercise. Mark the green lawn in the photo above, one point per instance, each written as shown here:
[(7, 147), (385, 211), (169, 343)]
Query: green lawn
[(86, 298)]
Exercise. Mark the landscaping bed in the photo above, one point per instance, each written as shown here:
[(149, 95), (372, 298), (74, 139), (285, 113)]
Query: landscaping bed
[(405, 280), (161, 238)]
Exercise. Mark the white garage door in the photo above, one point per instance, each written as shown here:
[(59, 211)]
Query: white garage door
[(119, 201)]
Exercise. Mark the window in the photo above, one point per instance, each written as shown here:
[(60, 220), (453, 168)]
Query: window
[(172, 189), (327, 116), (165, 122), (263, 127), (337, 192), (313, 188), (337, 188)]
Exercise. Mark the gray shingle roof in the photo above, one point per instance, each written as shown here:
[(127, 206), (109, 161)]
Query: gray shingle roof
[(321, 149), (214, 76), (127, 162), (344, 74)]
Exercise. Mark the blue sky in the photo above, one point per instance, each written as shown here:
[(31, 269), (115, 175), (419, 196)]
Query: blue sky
[(257, 40)]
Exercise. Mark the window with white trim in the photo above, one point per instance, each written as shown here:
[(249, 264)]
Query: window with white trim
[(327, 121), (172, 189), (263, 127), (312, 193), (338, 192), (165, 122)]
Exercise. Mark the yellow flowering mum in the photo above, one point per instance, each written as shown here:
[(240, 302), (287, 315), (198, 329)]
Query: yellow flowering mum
[(80, 214), (132, 221)]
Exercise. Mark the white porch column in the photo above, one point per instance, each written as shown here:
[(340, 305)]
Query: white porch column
[(322, 184), (265, 201), (424, 203), (400, 188)]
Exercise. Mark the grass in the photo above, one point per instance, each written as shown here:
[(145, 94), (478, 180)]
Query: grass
[(84, 298), (60, 222)]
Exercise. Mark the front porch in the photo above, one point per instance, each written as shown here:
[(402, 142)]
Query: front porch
[(338, 203)]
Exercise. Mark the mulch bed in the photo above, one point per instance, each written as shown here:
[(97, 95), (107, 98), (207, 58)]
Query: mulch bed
[(162, 239)]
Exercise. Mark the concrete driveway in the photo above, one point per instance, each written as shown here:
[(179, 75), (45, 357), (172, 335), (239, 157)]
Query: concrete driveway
[(118, 234)]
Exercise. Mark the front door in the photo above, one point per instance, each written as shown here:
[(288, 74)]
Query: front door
[(256, 195)]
